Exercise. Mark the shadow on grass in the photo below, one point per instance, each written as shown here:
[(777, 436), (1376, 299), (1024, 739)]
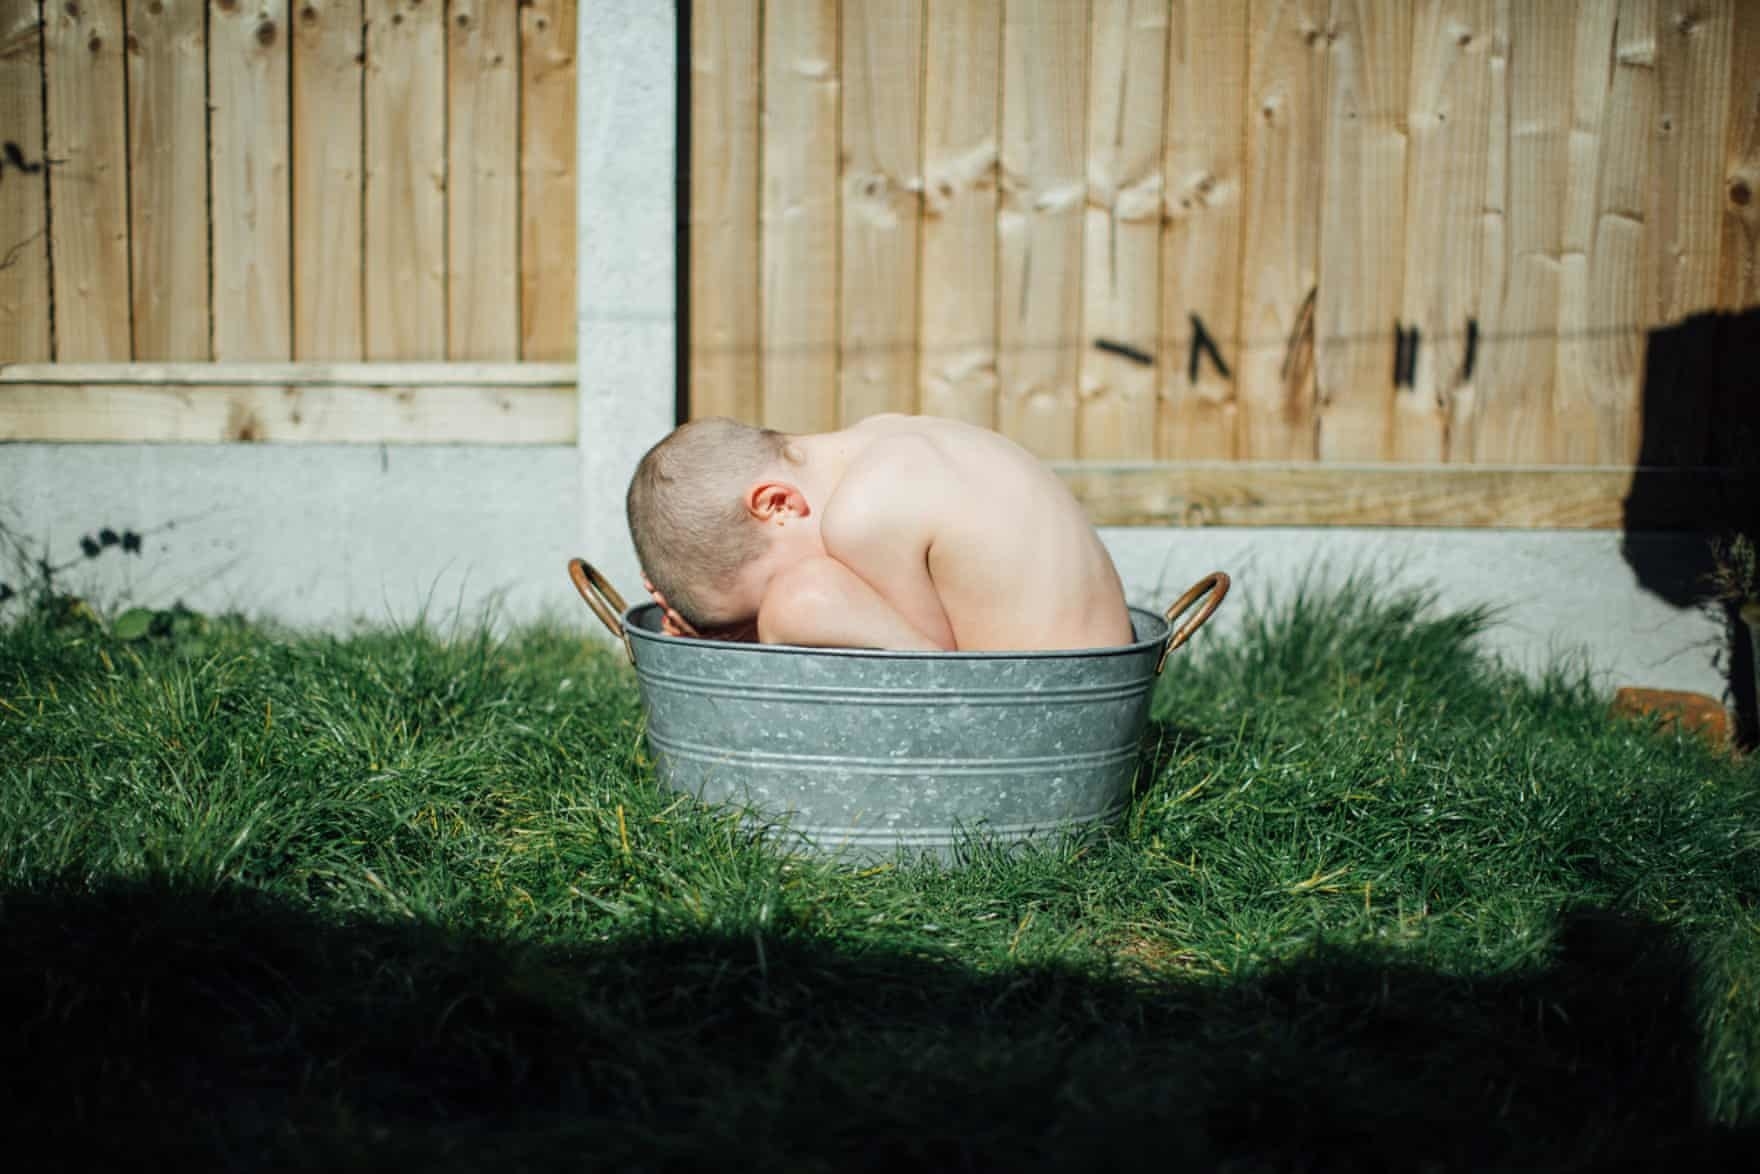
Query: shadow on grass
[(226, 1029)]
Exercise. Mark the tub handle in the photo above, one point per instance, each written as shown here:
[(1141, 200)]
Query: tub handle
[(603, 598), (1215, 586)]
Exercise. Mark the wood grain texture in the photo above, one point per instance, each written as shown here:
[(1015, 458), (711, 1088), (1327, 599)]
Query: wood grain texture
[(168, 179), (1602, 274), (1513, 418), (1445, 185), (309, 414), (329, 258), (24, 195), (1311, 494), (1280, 255), (1362, 230), (1121, 251), (1039, 224), (250, 196), (1694, 43), (482, 180), (1738, 283), (961, 124), (725, 153), (547, 184), (88, 183), (881, 158), (1203, 189), (800, 236), (405, 219)]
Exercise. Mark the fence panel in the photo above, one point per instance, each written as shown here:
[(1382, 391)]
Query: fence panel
[(1403, 232), (260, 182)]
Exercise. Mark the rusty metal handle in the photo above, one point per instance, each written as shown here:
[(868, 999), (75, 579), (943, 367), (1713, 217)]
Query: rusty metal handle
[(1215, 586), (603, 598)]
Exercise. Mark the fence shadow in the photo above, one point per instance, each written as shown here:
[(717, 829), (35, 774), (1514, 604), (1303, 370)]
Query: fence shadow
[(1700, 411), (151, 1024)]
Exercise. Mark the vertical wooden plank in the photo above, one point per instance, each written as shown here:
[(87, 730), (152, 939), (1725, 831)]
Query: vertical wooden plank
[(1512, 423), (881, 133), (1465, 402), (1739, 254), (24, 201), (547, 189), (1205, 183), (1039, 226), (1573, 397), (1445, 187), (328, 262), (1694, 43), (1736, 440), (1280, 253), (88, 185), (251, 198), (406, 180), (1121, 253), (800, 215), (168, 180), (1362, 230), (724, 305), (482, 189), (1602, 275), (957, 334)]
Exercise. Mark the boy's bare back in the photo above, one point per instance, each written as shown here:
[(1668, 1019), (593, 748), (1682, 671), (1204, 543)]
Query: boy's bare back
[(902, 532), (974, 542)]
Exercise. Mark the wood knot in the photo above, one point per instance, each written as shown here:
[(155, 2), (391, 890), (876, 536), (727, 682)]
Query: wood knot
[(266, 33), (309, 14), (1740, 193), (462, 20), (226, 5), (71, 9), (96, 44), (155, 8)]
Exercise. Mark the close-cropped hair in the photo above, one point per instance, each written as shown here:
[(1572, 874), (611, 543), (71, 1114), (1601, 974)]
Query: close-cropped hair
[(687, 510)]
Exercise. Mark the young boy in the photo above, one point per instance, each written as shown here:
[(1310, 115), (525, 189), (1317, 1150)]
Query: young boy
[(902, 532)]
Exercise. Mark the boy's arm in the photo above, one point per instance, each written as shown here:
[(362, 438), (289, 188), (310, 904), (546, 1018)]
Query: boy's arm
[(882, 522), (820, 603)]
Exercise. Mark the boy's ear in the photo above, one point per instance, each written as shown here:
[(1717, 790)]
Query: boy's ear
[(768, 501)]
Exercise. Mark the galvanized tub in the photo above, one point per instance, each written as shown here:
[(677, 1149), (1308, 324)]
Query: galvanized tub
[(863, 753)]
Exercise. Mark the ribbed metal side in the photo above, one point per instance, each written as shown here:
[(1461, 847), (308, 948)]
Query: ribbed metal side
[(861, 753)]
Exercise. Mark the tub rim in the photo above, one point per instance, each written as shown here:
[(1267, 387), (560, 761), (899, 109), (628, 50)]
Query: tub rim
[(1206, 595)]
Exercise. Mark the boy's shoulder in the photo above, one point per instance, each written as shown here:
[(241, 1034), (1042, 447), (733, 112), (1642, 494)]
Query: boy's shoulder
[(890, 482)]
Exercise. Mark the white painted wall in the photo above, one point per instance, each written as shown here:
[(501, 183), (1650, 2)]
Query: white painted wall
[(319, 536)]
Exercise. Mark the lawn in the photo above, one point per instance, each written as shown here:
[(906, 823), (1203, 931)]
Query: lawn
[(398, 900)]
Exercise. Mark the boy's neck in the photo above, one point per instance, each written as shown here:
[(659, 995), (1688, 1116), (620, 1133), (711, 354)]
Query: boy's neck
[(824, 458)]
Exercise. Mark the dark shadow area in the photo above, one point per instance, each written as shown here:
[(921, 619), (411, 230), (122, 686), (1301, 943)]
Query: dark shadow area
[(149, 1025), (1699, 473)]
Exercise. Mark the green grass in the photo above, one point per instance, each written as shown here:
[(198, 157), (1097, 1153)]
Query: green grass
[(395, 899)]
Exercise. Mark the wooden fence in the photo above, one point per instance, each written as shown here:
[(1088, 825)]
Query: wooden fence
[(1408, 233), (280, 181)]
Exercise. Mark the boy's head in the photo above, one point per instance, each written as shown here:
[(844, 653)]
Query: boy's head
[(689, 515)]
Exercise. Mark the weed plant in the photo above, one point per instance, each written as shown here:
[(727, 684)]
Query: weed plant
[(398, 899)]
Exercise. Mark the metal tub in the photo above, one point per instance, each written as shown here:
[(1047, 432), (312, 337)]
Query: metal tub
[(862, 753)]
